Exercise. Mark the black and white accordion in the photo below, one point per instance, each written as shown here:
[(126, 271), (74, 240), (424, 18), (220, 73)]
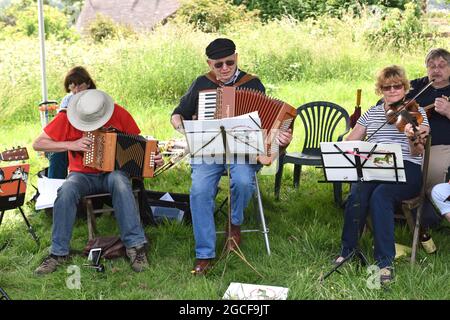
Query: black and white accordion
[(111, 151), (228, 102)]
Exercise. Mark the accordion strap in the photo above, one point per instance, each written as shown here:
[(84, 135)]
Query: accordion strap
[(246, 78)]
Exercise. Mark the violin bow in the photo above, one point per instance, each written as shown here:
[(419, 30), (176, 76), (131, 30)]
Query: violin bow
[(401, 109)]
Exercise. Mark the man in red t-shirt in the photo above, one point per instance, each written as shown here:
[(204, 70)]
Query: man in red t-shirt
[(87, 111)]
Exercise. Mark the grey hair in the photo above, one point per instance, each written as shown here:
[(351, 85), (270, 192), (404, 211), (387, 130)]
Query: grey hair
[(436, 53)]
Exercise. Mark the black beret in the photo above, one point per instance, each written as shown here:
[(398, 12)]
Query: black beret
[(220, 48)]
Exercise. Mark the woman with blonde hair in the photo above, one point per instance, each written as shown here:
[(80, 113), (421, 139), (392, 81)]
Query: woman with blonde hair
[(378, 198)]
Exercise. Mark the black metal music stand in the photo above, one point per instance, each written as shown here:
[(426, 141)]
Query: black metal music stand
[(228, 158), (16, 203), (359, 166), (3, 295)]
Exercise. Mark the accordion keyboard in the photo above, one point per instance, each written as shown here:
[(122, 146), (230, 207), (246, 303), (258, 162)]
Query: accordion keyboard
[(207, 105)]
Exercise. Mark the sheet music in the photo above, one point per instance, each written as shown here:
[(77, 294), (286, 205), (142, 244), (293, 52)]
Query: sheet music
[(247, 291), (384, 163), (47, 192), (244, 136)]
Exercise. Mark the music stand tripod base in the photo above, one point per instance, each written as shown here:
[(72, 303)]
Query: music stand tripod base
[(356, 252)]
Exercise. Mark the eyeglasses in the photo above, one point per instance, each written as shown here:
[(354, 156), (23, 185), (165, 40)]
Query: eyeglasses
[(393, 86), (441, 66), (229, 63)]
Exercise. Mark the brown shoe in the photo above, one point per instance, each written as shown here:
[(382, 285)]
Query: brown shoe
[(235, 234), (138, 258), (201, 267), (50, 264)]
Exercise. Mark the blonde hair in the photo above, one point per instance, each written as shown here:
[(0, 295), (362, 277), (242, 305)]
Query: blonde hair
[(389, 75)]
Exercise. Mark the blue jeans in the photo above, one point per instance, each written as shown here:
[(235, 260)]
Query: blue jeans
[(58, 164), (380, 200), (79, 185), (205, 178)]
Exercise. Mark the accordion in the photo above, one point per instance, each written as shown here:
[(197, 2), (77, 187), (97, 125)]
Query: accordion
[(228, 102), (111, 151)]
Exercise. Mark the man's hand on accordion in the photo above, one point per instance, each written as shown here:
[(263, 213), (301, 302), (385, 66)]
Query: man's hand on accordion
[(284, 138), (82, 144), (159, 161)]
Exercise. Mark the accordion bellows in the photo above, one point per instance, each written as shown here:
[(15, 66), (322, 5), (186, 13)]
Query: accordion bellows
[(228, 102), (111, 151)]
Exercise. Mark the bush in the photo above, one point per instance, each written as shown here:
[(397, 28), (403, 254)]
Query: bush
[(303, 9), (399, 30), (20, 19), (104, 28), (214, 16)]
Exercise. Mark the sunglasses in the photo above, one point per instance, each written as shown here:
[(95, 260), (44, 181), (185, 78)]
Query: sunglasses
[(393, 86), (219, 65)]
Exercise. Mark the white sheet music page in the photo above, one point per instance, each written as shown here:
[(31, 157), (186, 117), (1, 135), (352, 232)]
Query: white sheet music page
[(243, 136), (47, 192), (380, 166)]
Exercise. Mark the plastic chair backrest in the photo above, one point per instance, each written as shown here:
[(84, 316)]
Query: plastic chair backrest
[(320, 120)]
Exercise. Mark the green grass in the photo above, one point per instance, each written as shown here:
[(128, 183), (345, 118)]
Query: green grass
[(304, 235), (298, 63)]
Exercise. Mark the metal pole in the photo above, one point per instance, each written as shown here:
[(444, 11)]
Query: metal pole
[(42, 43)]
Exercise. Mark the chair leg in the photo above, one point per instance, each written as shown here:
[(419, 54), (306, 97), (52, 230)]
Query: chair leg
[(260, 209), (416, 235), (297, 173), (409, 217), (90, 219), (278, 177)]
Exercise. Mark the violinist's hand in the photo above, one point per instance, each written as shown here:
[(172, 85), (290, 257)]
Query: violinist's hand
[(284, 138), (442, 106), (409, 131), (159, 161)]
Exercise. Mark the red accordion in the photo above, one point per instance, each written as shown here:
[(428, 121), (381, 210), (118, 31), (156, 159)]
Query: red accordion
[(228, 102)]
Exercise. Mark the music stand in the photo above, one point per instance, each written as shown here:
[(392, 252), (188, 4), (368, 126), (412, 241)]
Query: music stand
[(360, 162), (240, 136), (3, 295), (13, 195)]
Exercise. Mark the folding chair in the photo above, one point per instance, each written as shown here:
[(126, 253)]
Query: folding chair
[(259, 212)]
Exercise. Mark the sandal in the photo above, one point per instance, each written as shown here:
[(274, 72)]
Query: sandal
[(386, 275)]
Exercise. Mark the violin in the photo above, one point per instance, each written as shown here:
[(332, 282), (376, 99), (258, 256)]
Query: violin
[(401, 113)]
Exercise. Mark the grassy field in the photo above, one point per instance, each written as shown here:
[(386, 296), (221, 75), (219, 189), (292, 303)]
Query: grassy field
[(148, 75)]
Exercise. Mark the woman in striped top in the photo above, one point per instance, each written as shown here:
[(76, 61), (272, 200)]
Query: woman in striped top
[(377, 198)]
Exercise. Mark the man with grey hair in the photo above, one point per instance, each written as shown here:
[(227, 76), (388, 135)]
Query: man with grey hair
[(437, 63)]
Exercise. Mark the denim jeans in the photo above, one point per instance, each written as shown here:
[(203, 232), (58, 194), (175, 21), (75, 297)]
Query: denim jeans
[(205, 178), (58, 164), (79, 185), (380, 199)]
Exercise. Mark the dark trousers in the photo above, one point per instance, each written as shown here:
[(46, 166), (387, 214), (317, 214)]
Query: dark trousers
[(58, 164), (380, 199)]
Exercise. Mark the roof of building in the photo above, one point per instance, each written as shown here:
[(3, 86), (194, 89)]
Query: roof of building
[(138, 14)]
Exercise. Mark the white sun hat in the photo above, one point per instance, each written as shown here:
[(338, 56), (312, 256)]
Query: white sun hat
[(90, 109)]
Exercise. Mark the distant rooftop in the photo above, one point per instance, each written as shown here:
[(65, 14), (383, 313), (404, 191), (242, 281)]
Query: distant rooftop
[(437, 5), (139, 14)]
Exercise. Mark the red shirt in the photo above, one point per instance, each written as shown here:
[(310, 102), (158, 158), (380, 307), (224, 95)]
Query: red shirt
[(60, 129)]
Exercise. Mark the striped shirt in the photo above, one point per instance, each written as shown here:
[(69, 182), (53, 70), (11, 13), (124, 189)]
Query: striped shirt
[(376, 117)]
